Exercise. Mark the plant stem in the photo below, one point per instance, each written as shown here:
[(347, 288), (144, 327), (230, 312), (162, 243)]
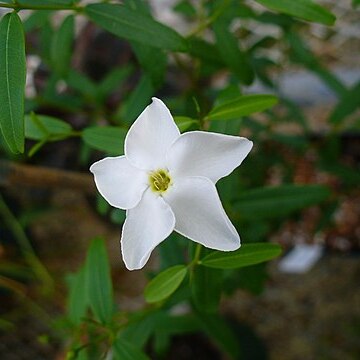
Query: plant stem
[(25, 247), (19, 7)]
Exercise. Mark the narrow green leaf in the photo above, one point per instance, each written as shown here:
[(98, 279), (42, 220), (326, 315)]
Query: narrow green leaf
[(165, 283), (231, 54), (12, 81), (278, 201), (98, 281), (242, 106), (152, 60), (36, 20), (38, 127), (302, 54), (113, 80), (184, 122), (61, 47), (206, 298), (124, 350), (109, 139), (248, 254), (134, 26), (303, 9), (219, 330), (346, 106), (78, 297), (82, 83), (137, 101)]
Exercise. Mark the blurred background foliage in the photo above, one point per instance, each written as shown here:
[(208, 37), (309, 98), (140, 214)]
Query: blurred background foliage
[(283, 73)]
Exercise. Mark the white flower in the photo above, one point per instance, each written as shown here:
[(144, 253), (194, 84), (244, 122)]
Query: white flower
[(166, 181)]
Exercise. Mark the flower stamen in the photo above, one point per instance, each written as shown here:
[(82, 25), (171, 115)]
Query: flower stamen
[(159, 180)]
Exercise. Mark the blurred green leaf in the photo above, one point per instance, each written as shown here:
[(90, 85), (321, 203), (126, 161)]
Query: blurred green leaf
[(137, 101), (36, 20), (231, 54), (113, 80), (346, 106), (278, 201), (131, 25), (184, 122), (38, 127), (248, 254), (302, 54), (205, 51), (78, 297), (165, 283), (124, 350), (83, 84), (109, 139), (12, 81), (218, 329), (206, 286), (98, 281), (303, 9), (152, 60), (118, 216), (61, 47), (242, 106)]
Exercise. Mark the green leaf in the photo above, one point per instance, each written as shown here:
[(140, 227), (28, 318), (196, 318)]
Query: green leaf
[(83, 84), (248, 254), (36, 20), (78, 297), (45, 3), (302, 54), (278, 201), (165, 283), (219, 330), (113, 80), (134, 26), (346, 106), (231, 54), (12, 81), (303, 9), (61, 47), (109, 139), (184, 122), (124, 350), (242, 106), (137, 101), (38, 127), (206, 298), (98, 281)]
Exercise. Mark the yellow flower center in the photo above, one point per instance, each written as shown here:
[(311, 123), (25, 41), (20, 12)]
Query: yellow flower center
[(159, 180)]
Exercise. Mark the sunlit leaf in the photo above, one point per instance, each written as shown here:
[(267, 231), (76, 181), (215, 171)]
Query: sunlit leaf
[(184, 122), (248, 254), (242, 106), (165, 283)]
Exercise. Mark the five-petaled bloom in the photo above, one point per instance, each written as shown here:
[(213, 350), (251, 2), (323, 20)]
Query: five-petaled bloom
[(166, 181)]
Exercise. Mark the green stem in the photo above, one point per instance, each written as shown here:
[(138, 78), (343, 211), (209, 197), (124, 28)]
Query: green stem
[(25, 247), (19, 7)]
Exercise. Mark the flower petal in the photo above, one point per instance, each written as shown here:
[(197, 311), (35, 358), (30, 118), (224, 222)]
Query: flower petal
[(199, 153), (150, 137), (145, 227), (120, 183), (199, 214)]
